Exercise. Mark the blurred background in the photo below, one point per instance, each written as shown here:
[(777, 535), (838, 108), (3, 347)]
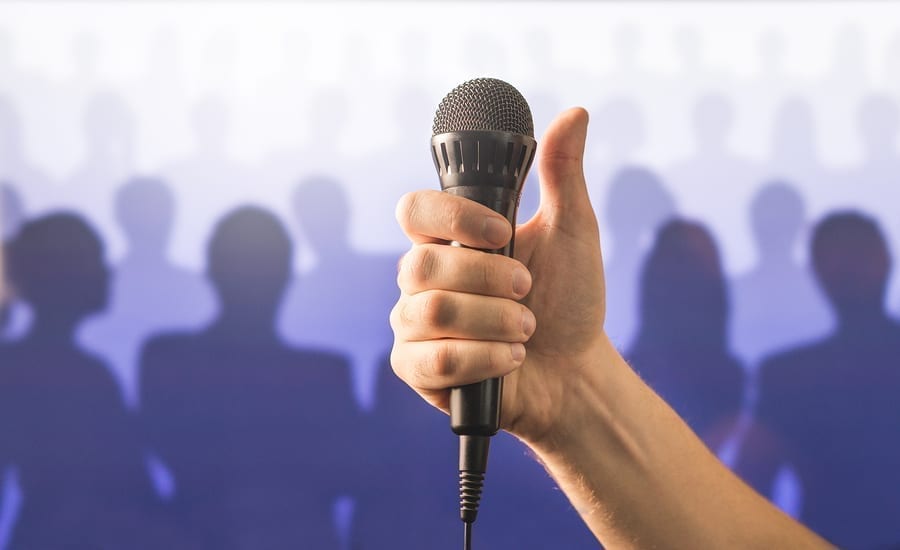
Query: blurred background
[(200, 258)]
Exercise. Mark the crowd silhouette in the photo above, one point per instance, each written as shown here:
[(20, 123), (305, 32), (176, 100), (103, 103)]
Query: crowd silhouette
[(197, 355)]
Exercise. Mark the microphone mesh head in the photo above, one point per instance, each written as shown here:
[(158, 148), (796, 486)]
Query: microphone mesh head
[(484, 104)]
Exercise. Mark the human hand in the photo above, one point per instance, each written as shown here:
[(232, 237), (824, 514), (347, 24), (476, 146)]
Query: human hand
[(465, 316)]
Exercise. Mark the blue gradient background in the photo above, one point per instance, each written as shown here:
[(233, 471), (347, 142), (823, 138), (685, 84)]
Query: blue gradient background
[(754, 120)]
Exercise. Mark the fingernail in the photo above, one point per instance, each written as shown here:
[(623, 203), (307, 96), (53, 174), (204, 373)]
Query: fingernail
[(495, 231), (528, 322), (518, 351), (521, 281)]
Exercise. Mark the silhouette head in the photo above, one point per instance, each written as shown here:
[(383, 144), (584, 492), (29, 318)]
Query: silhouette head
[(622, 126), (637, 203), (879, 123), (713, 120), (145, 209), (794, 131), (323, 212), (690, 46), (772, 48), (852, 263), (627, 44), (849, 50), (777, 215), (86, 51), (209, 118), (109, 125), (683, 297), (328, 115), (12, 211), (56, 264), (249, 262)]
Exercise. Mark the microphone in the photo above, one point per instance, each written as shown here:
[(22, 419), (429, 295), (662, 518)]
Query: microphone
[(483, 146)]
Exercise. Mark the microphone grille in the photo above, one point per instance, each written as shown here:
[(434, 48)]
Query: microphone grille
[(484, 104)]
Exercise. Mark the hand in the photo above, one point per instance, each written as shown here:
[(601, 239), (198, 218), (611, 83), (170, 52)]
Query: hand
[(463, 315)]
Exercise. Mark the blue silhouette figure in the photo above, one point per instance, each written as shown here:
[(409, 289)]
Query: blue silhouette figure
[(776, 303), (829, 408), (620, 137), (148, 293), (866, 185), (716, 182), (110, 133), (14, 163), (681, 347), (794, 152), (63, 425), (637, 205), (208, 181), (343, 303), (260, 437)]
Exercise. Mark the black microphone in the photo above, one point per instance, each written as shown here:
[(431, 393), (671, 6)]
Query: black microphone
[(483, 146)]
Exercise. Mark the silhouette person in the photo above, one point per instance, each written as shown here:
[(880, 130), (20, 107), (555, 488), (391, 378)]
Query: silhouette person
[(637, 205), (681, 347), (829, 408), (148, 293), (110, 135), (794, 152), (343, 303), (621, 136), (209, 182), (776, 303), (258, 436), (62, 422), (866, 184), (718, 182), (14, 165)]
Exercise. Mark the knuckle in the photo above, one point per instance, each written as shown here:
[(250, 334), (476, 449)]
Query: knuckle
[(436, 309), (421, 267), (443, 361)]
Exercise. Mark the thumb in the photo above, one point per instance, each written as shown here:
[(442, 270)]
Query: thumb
[(564, 195)]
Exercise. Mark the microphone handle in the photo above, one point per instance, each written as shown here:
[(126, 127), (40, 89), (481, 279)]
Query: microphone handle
[(475, 408)]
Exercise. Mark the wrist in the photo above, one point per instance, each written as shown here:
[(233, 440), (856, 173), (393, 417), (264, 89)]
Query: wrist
[(595, 384)]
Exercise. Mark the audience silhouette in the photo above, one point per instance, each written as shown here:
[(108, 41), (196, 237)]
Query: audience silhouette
[(681, 347), (364, 284), (63, 425), (145, 211), (829, 408), (260, 438), (637, 205), (15, 166), (776, 303)]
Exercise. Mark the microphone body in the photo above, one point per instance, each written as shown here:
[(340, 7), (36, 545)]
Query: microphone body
[(483, 147)]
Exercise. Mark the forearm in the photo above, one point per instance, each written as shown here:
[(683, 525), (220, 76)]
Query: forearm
[(640, 478)]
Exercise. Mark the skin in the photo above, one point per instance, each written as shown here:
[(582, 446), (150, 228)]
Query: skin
[(632, 468)]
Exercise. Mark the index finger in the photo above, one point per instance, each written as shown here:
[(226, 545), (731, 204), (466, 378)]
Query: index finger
[(432, 216)]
